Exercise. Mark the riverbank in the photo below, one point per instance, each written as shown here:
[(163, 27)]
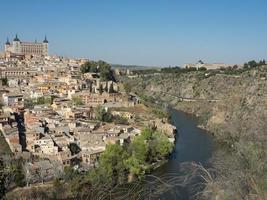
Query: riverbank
[(193, 146), (237, 120)]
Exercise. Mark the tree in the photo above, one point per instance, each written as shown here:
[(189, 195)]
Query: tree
[(252, 64), (136, 169), (160, 146), (19, 176), (111, 88), (202, 69), (74, 148), (246, 66), (112, 163), (235, 67), (100, 89), (147, 134), (200, 62), (106, 87), (89, 66), (3, 178), (139, 148), (101, 67), (1, 104), (106, 73), (70, 173), (77, 101), (103, 115), (127, 88), (4, 81), (43, 100), (120, 120)]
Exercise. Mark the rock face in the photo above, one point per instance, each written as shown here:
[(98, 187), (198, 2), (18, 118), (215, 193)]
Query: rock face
[(219, 99), (234, 109)]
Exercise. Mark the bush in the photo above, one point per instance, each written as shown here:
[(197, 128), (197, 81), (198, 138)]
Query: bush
[(77, 101), (101, 67), (120, 120), (103, 115)]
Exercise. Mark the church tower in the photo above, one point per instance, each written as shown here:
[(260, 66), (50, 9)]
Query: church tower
[(45, 47), (7, 45), (16, 45)]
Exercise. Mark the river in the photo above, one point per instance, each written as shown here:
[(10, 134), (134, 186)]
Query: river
[(193, 145)]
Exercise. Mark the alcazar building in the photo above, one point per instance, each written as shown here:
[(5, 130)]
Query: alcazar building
[(18, 47)]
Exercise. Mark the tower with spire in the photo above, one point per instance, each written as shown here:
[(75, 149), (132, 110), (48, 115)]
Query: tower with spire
[(16, 45), (7, 45), (45, 44)]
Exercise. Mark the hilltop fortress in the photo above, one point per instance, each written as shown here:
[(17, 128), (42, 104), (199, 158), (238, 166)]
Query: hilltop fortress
[(19, 48)]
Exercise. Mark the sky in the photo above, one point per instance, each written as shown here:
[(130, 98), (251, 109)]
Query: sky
[(142, 32)]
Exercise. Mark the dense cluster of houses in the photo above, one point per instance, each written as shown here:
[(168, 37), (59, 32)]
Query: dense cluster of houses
[(49, 111), (40, 113)]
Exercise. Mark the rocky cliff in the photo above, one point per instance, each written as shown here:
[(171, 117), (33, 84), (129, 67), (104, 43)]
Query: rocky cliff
[(233, 107)]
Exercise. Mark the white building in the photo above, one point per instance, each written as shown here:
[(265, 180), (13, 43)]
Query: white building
[(13, 99)]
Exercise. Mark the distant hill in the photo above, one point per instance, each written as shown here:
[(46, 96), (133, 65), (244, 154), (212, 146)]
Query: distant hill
[(134, 67)]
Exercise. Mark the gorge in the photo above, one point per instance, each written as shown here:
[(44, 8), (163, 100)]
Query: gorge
[(231, 105)]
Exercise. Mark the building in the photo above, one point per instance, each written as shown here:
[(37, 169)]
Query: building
[(18, 47), (13, 99), (16, 72), (91, 156), (208, 66)]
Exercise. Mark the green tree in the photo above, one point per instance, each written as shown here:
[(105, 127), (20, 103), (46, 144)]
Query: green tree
[(101, 67), (77, 101), (74, 148), (201, 62), (139, 148), (103, 115), (106, 73), (1, 104), (89, 66), (111, 88), (160, 146), (43, 100), (70, 173), (147, 134), (4, 81), (252, 64), (112, 163), (101, 90), (3, 178), (120, 120), (202, 69), (19, 177), (127, 88), (135, 167)]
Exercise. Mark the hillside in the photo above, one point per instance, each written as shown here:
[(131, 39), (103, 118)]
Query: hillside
[(233, 107)]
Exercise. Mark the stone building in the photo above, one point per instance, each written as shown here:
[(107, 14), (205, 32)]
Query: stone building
[(18, 47)]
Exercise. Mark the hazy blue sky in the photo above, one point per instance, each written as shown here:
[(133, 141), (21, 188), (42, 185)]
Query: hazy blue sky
[(156, 32)]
